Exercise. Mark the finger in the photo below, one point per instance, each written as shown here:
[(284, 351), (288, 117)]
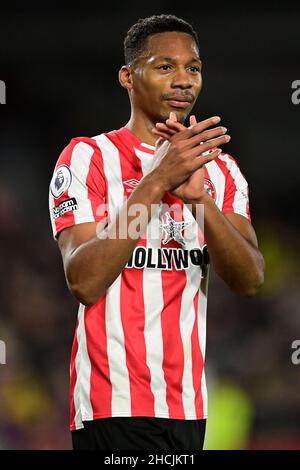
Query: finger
[(164, 135), (173, 116), (177, 126), (211, 156), (197, 128), (201, 160), (218, 141), (205, 136), (165, 131), (193, 120), (210, 144), (164, 128)]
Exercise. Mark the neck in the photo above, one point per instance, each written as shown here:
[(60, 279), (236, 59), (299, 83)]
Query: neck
[(140, 125)]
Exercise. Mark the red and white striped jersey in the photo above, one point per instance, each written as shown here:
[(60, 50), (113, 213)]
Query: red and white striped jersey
[(139, 350)]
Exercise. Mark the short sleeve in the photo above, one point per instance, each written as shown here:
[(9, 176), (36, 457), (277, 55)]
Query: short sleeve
[(236, 195), (77, 192)]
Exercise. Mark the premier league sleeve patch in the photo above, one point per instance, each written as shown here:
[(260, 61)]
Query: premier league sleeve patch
[(61, 181)]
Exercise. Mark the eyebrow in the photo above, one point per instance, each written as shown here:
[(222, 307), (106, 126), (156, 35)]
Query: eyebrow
[(170, 59)]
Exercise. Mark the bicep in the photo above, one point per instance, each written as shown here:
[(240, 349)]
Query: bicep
[(73, 237), (244, 227)]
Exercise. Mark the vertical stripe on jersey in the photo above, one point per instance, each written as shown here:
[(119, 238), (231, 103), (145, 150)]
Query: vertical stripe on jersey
[(235, 185), (133, 318), (187, 318), (79, 166), (202, 306), (53, 221), (154, 304), (133, 321), (173, 360), (83, 370), (121, 402), (100, 389), (198, 363), (240, 202), (74, 406)]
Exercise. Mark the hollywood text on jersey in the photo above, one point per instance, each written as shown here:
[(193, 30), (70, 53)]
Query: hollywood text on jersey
[(169, 258)]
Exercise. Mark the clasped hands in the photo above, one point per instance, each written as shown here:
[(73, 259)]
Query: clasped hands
[(192, 189)]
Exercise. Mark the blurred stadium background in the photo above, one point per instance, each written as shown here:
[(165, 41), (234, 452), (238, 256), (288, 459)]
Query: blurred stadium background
[(60, 68)]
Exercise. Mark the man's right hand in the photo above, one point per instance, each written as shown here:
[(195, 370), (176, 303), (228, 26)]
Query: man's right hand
[(184, 155)]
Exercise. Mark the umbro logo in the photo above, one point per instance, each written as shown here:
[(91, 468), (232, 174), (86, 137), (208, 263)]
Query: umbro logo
[(132, 183)]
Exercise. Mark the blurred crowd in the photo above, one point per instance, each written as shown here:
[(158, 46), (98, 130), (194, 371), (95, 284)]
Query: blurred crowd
[(254, 383), (37, 321), (254, 400)]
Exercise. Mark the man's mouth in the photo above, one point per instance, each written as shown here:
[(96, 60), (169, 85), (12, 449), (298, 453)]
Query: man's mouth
[(179, 101)]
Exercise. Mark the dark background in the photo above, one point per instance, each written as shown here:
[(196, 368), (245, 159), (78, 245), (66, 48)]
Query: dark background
[(60, 67)]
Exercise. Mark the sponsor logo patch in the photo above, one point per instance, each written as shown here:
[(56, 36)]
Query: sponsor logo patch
[(64, 207), (61, 181), (173, 229), (169, 258)]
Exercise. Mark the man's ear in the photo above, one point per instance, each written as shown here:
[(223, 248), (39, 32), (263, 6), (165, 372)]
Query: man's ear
[(125, 77)]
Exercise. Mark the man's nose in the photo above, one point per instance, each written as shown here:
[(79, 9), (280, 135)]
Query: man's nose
[(181, 79)]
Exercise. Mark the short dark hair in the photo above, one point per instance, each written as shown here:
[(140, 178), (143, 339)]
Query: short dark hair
[(137, 35)]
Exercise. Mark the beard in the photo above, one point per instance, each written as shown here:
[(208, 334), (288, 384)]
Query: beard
[(181, 117)]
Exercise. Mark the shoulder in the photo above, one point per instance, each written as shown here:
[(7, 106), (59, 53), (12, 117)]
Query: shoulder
[(80, 150), (83, 144), (226, 162), (228, 166)]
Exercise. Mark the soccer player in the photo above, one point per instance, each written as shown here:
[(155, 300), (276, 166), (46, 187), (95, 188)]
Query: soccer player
[(125, 213)]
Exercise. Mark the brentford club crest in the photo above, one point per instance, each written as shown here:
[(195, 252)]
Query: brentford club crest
[(210, 188)]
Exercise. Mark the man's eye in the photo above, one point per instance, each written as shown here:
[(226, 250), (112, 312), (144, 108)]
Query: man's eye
[(164, 67), (195, 69)]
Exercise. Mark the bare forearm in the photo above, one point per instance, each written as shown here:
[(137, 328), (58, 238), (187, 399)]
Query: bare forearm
[(236, 260), (95, 264)]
